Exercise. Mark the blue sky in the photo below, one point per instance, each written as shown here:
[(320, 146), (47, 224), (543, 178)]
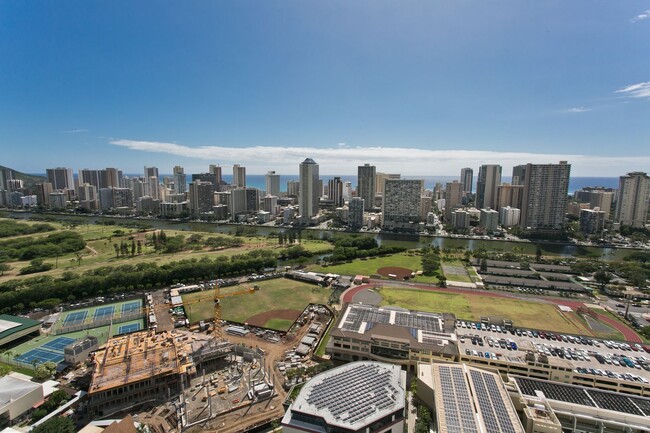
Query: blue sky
[(421, 88)]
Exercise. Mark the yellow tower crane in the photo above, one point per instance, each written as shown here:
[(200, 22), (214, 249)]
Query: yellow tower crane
[(218, 333)]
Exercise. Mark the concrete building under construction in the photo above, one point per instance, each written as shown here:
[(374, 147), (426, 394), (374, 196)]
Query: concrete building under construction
[(139, 367)]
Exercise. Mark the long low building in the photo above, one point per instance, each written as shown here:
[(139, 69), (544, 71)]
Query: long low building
[(392, 334), (466, 399), (13, 327)]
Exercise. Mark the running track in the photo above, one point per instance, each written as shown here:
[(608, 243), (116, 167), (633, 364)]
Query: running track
[(628, 333)]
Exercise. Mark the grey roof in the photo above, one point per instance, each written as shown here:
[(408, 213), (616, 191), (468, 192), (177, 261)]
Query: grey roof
[(352, 396), (309, 161), (12, 388)]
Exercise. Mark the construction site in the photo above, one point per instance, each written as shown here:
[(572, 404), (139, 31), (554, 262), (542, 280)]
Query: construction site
[(193, 380)]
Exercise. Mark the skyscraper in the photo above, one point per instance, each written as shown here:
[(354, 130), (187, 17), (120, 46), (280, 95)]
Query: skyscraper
[(453, 198), (632, 203), (272, 183), (401, 204), (309, 194), (239, 176), (467, 179), (201, 197), (150, 171), (544, 202), (518, 174), (489, 179), (180, 180), (60, 178), (335, 191), (216, 171), (355, 215), (366, 184)]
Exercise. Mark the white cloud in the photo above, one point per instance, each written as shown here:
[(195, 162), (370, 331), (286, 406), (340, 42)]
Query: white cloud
[(641, 16), (577, 110), (408, 161), (640, 90), (75, 131)]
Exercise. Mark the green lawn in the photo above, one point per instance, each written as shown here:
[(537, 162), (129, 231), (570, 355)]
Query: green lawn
[(276, 294), (369, 266), (279, 324), (523, 313)]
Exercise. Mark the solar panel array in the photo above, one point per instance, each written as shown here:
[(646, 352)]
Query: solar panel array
[(587, 397), (496, 416), (355, 394), (358, 314), (457, 407)]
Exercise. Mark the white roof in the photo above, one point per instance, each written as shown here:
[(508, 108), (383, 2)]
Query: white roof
[(352, 396), (12, 388)]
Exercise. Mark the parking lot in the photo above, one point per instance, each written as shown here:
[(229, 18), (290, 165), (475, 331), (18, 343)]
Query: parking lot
[(624, 361)]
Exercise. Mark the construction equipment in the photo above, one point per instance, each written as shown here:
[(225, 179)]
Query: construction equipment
[(218, 332)]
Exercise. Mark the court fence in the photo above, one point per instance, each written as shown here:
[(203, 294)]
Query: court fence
[(140, 313)]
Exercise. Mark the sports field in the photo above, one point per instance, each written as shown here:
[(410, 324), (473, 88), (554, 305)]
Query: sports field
[(89, 315), (455, 270), (50, 347), (523, 313), (278, 295)]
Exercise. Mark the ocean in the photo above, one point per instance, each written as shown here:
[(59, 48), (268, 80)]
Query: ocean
[(575, 183)]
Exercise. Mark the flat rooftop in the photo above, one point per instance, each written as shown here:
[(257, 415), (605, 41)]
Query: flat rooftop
[(134, 357), (470, 400), (351, 396), (13, 327)]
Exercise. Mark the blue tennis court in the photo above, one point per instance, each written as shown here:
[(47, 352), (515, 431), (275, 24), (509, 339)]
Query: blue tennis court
[(131, 307), (58, 344), (75, 318), (40, 356), (125, 329), (104, 312)]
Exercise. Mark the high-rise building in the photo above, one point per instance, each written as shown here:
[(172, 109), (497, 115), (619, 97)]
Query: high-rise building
[(467, 179), (139, 188), (489, 179), (113, 177), (509, 216), (592, 222), (244, 201), (509, 195), (453, 198), (216, 171), (489, 220), (6, 174), (401, 204), (271, 204), (87, 195), (460, 219), (309, 189), (544, 203), (335, 191), (153, 187), (61, 178), (355, 214), (180, 180), (366, 188), (91, 177), (150, 171), (293, 188), (518, 174), (122, 198), (426, 202), (347, 190), (272, 183), (632, 202), (43, 191), (597, 197), (201, 197), (58, 200), (239, 176)]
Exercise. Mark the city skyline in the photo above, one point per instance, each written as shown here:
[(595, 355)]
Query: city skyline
[(424, 90)]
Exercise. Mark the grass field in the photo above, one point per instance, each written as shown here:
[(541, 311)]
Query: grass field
[(526, 314), (455, 270), (279, 324), (367, 267), (276, 294)]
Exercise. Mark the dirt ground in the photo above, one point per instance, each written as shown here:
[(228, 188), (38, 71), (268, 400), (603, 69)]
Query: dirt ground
[(262, 318), (400, 273)]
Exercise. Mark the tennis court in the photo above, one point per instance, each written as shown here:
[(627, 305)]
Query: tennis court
[(75, 318), (58, 344), (131, 307), (125, 329), (104, 312), (40, 356)]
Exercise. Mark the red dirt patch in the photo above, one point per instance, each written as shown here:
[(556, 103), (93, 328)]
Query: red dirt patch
[(262, 318), (400, 273)]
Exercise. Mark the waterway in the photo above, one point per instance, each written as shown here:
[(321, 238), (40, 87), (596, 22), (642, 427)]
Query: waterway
[(561, 249)]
